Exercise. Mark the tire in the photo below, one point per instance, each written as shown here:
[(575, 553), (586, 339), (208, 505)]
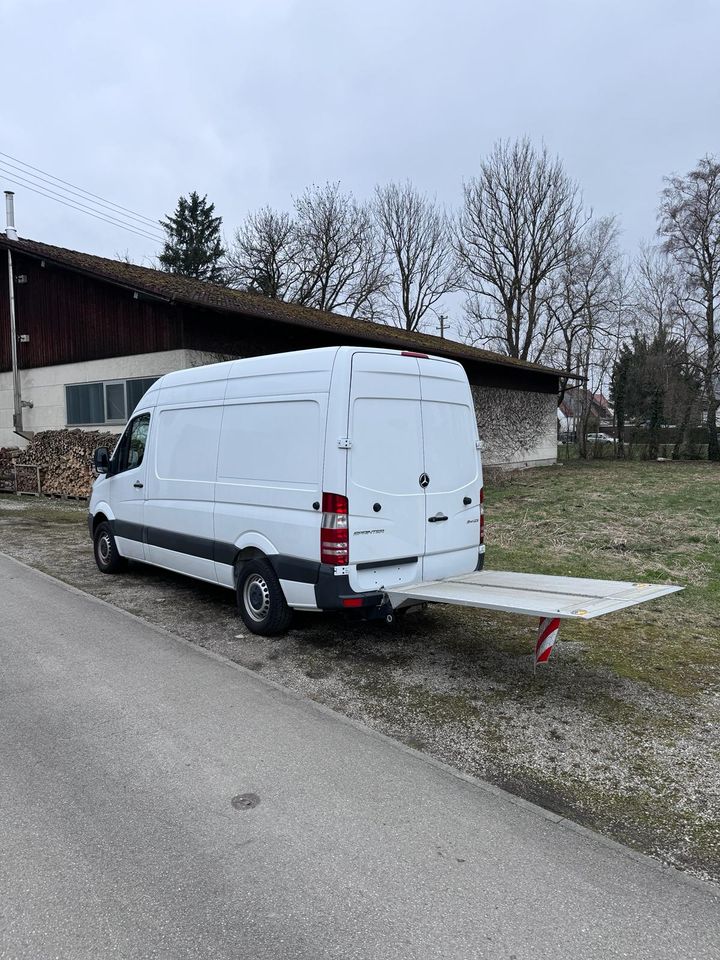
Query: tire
[(261, 601), (107, 556)]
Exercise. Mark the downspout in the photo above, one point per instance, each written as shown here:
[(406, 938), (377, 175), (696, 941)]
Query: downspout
[(18, 404)]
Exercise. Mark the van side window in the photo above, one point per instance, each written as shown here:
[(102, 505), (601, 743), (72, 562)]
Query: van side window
[(131, 449)]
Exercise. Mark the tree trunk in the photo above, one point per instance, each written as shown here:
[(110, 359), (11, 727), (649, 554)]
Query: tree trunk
[(619, 417), (713, 445), (656, 410), (682, 440)]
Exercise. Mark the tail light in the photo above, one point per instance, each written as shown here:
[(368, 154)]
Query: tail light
[(482, 515), (334, 530)]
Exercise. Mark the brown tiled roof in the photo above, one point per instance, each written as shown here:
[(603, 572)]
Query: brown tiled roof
[(186, 290)]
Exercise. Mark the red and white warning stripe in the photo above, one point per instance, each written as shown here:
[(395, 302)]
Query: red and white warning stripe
[(547, 635)]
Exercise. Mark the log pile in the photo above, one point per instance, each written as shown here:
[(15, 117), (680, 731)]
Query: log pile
[(7, 456), (65, 461), (7, 474)]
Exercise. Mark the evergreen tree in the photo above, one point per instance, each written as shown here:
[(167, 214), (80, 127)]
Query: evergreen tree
[(653, 383), (193, 247)]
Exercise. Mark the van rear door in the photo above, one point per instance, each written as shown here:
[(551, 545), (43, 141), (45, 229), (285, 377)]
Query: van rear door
[(385, 465), (452, 465)]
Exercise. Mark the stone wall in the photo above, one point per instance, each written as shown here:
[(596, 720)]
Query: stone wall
[(518, 428)]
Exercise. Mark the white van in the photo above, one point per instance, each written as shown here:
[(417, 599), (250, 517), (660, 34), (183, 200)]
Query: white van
[(314, 480)]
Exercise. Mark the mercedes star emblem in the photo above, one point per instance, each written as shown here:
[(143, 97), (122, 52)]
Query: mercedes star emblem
[(424, 480)]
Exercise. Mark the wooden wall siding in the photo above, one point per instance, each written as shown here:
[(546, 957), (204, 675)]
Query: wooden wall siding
[(235, 335), (71, 318)]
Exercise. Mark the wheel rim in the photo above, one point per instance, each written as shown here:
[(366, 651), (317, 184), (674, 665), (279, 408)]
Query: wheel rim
[(256, 597), (104, 549)]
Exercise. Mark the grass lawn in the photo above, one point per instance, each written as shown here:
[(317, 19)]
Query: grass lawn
[(645, 522)]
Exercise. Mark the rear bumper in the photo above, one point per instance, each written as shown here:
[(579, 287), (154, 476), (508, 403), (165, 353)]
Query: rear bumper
[(331, 591)]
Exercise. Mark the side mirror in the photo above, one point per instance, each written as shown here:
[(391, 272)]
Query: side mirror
[(101, 460)]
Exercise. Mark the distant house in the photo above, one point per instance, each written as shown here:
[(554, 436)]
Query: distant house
[(94, 333), (577, 402)]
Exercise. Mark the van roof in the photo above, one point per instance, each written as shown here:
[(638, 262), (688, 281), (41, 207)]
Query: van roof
[(321, 358)]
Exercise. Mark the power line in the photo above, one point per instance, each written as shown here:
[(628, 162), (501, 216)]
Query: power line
[(82, 208), (82, 195), (53, 194), (87, 193), (88, 212)]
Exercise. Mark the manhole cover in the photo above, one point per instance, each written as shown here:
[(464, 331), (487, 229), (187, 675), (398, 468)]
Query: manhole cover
[(245, 801)]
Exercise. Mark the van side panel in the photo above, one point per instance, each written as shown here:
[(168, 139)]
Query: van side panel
[(179, 507), (269, 473)]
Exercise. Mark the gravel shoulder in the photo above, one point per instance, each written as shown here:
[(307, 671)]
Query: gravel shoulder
[(619, 733)]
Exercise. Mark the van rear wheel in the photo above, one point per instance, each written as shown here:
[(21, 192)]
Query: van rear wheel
[(261, 600)]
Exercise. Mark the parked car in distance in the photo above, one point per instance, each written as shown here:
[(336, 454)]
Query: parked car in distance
[(599, 438)]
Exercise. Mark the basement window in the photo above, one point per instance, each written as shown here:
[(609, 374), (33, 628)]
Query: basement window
[(104, 402)]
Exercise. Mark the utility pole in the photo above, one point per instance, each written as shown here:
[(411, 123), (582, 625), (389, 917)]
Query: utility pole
[(442, 318)]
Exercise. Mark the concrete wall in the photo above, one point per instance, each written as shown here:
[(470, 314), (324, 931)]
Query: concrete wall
[(518, 428), (45, 387)]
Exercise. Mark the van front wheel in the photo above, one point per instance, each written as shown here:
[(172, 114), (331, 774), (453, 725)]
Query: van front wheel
[(260, 599), (107, 556)]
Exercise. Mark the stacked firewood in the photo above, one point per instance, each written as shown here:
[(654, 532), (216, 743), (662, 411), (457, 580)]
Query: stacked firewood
[(7, 474), (7, 455), (65, 461)]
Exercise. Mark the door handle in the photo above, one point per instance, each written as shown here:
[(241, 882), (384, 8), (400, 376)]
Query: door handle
[(438, 518), (138, 485)]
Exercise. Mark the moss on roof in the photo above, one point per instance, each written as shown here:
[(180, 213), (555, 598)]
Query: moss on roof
[(179, 289)]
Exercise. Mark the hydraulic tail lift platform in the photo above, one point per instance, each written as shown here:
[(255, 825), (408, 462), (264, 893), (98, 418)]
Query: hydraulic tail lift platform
[(550, 598)]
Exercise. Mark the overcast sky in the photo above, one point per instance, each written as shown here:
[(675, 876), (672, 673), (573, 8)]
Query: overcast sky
[(250, 101)]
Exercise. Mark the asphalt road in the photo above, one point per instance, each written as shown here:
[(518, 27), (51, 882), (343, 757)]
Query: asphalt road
[(121, 749)]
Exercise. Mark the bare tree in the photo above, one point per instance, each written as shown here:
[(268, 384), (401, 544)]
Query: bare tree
[(264, 254), (582, 297), (657, 291), (417, 235), (586, 307), (520, 217), (689, 222), (329, 255), (340, 256)]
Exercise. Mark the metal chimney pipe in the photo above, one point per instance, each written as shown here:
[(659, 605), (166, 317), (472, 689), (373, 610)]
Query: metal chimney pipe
[(10, 231), (18, 402)]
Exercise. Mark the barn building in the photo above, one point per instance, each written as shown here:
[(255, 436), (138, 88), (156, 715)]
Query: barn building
[(93, 333)]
